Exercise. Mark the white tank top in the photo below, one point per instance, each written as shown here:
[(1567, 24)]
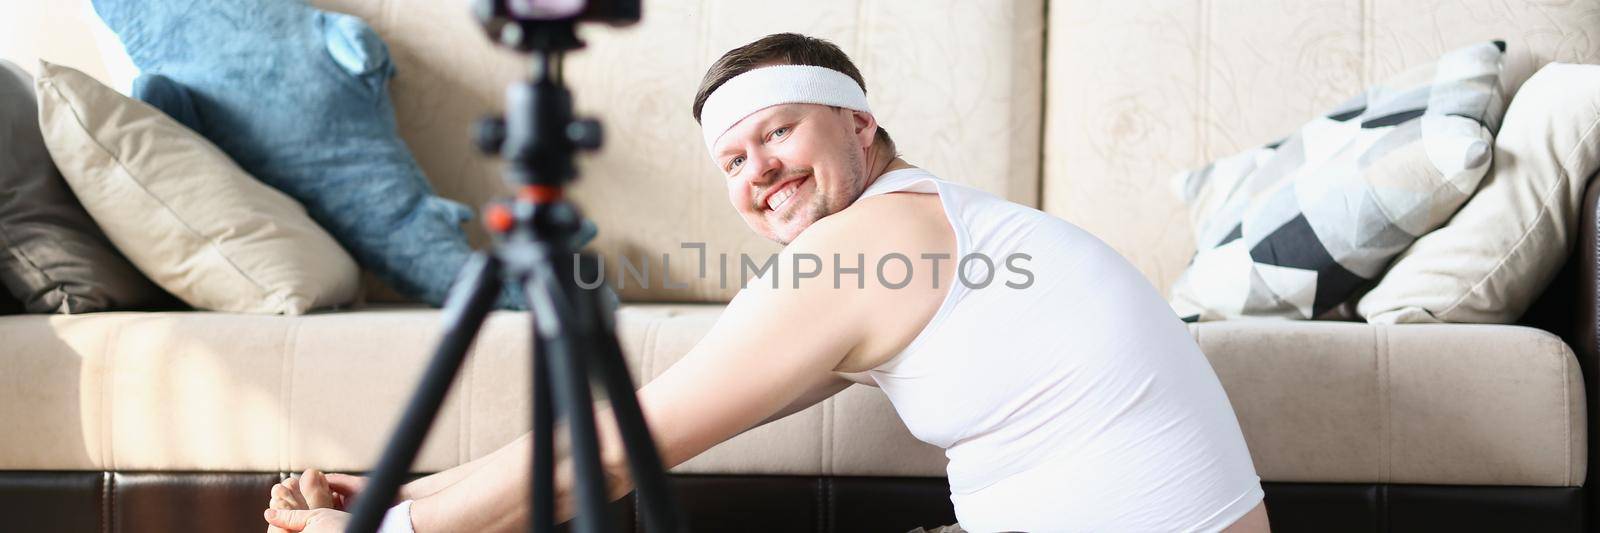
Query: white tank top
[(1078, 403)]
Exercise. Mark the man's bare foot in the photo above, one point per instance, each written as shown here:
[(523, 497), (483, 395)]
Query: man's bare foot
[(307, 492), (311, 521)]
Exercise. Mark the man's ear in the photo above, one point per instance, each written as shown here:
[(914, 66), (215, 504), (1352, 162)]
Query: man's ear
[(865, 127)]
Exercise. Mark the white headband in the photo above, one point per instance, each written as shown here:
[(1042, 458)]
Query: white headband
[(765, 87)]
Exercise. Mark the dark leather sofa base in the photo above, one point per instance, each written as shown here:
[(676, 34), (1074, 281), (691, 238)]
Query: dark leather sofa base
[(129, 502)]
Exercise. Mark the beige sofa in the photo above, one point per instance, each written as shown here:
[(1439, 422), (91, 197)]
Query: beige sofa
[(162, 421)]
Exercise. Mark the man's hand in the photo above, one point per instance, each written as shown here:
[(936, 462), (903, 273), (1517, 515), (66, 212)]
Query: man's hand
[(309, 521)]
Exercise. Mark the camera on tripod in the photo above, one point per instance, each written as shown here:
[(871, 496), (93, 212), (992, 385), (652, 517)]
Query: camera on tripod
[(523, 18)]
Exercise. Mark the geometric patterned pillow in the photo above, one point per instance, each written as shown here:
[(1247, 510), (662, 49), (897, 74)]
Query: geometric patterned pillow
[(1296, 228)]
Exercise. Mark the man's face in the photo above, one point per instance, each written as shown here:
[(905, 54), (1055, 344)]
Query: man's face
[(789, 165)]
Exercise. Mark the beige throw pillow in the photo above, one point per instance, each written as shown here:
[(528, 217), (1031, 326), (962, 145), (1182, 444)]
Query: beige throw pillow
[(181, 210), (1490, 262)]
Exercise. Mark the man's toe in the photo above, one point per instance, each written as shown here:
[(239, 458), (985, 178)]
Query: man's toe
[(289, 494), (314, 486)]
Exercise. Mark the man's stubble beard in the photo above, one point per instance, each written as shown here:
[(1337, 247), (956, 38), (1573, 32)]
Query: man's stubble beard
[(822, 204)]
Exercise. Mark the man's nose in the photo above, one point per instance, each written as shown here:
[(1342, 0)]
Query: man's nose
[(766, 169)]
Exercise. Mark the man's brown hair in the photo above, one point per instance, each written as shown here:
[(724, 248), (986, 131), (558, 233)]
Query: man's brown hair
[(781, 49)]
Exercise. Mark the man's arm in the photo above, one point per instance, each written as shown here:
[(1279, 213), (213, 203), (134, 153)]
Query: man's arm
[(824, 388), (773, 351)]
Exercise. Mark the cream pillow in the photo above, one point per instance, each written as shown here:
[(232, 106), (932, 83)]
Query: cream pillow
[(1498, 253), (181, 210)]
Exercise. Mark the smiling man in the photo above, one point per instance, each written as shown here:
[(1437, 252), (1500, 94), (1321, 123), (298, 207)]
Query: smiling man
[(1073, 401), (835, 118)]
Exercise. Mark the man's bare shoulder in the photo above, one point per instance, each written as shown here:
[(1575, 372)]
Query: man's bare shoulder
[(890, 298), (903, 222)]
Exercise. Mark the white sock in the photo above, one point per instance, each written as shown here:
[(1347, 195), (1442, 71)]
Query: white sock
[(398, 519)]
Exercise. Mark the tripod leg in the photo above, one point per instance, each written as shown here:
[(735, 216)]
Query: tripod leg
[(644, 461), (470, 301), (569, 384), (543, 517)]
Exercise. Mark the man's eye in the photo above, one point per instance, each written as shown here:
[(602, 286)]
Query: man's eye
[(735, 162), (780, 132)]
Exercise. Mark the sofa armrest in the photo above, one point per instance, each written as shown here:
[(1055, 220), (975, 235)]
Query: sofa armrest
[(1570, 307)]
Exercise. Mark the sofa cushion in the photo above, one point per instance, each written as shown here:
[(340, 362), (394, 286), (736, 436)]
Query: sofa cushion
[(1326, 402), (208, 391), (1421, 403), (52, 255), (182, 211)]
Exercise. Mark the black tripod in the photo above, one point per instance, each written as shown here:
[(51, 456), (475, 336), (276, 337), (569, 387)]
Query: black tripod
[(573, 326)]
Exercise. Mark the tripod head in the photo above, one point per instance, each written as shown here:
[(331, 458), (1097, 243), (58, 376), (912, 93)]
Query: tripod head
[(539, 136)]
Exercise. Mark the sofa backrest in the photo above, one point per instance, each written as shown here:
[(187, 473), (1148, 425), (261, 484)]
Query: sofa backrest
[(958, 84), (1130, 94), (1137, 91)]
